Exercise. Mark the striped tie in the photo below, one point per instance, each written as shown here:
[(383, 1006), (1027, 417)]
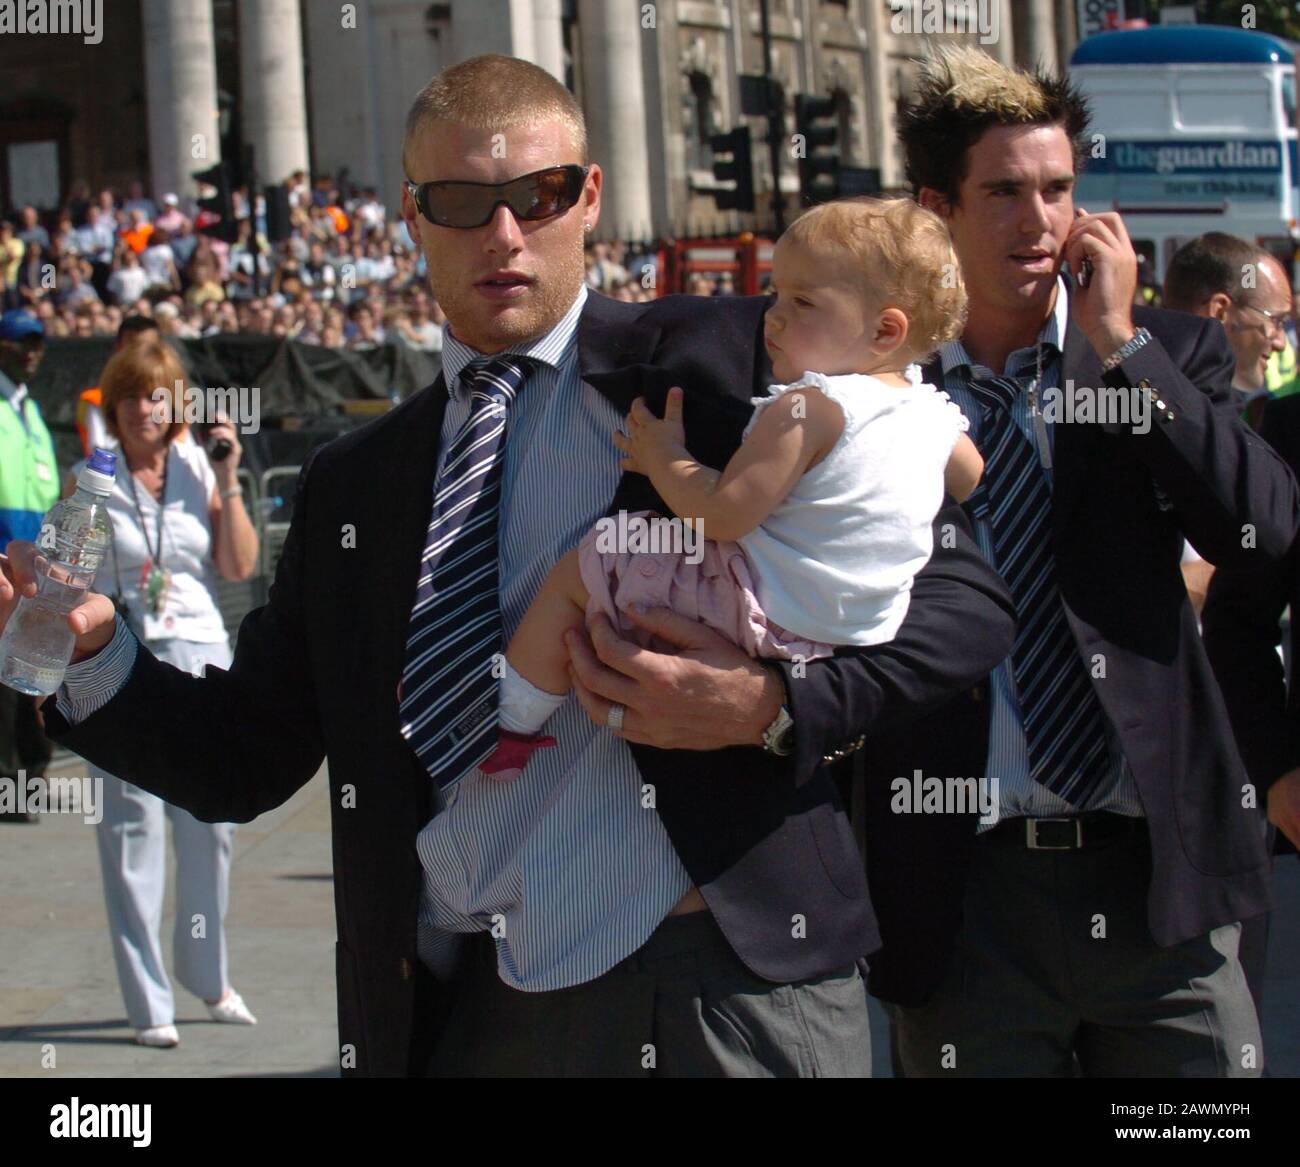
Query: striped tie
[(1063, 720), (448, 694)]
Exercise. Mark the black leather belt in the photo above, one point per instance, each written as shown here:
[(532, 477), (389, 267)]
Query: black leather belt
[(1067, 834)]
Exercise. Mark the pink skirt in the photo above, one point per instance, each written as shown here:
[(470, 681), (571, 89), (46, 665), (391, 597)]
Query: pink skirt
[(718, 591)]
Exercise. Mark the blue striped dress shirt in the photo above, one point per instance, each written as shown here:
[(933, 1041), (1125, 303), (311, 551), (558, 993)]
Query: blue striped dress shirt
[(569, 866), (1008, 757)]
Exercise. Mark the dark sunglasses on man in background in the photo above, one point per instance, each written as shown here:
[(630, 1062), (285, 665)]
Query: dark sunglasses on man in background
[(531, 197)]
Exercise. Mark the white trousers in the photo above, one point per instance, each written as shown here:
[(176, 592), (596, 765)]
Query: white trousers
[(132, 839)]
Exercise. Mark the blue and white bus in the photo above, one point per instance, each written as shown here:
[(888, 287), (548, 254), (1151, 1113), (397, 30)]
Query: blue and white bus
[(1197, 128)]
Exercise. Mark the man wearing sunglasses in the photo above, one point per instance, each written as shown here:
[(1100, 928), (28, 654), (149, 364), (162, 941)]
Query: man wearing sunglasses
[(674, 889)]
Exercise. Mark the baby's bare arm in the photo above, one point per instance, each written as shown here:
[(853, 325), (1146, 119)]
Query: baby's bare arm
[(792, 435), (964, 469)]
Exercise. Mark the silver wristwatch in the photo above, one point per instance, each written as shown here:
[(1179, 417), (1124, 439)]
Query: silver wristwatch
[(778, 738), (1126, 350)]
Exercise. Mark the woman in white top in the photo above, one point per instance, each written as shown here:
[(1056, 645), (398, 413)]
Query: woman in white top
[(812, 534), (159, 263), (178, 521)]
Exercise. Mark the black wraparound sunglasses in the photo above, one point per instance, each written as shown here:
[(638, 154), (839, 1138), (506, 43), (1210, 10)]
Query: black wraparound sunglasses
[(531, 197)]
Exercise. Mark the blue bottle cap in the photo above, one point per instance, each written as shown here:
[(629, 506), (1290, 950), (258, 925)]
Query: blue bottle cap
[(99, 473), (103, 461)]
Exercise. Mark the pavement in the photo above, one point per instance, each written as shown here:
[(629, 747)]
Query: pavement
[(59, 996), (61, 1012)]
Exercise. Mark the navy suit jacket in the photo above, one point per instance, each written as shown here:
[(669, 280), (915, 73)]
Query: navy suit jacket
[(1122, 502), (1242, 628), (315, 673)]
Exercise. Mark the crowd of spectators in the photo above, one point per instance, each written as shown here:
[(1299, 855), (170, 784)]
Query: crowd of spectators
[(348, 275)]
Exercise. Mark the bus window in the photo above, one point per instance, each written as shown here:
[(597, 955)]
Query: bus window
[(1240, 105), (1288, 99), (1139, 111)]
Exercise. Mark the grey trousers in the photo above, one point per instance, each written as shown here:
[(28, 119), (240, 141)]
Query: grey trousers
[(1055, 963), (682, 1006), (132, 839)]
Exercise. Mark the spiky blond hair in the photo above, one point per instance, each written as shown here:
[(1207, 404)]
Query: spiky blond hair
[(960, 93)]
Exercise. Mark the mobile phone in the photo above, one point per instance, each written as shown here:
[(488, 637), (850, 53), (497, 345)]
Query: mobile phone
[(218, 449), (1085, 272)]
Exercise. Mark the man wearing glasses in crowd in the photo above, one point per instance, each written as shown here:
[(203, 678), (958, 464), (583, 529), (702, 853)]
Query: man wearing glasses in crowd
[(1244, 288), (1249, 291), (675, 888)]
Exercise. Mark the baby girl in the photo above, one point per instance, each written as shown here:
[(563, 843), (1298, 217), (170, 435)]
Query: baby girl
[(813, 532)]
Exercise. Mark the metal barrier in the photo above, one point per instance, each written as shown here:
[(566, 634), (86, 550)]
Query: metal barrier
[(236, 598), (269, 500), (274, 514)]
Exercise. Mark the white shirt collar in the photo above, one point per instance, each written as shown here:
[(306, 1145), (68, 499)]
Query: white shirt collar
[(953, 355), (552, 348)]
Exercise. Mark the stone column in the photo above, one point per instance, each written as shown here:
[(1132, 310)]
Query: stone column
[(274, 104), (343, 88), (880, 107), (548, 37), (1067, 36), (1036, 34), (1004, 48), (614, 101), (181, 92), (493, 26)]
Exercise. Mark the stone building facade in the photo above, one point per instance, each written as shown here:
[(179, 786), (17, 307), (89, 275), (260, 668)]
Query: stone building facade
[(324, 86)]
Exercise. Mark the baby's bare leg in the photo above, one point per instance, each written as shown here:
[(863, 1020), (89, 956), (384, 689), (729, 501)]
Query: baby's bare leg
[(537, 651)]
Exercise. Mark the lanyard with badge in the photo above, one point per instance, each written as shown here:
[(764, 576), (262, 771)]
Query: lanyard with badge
[(155, 580)]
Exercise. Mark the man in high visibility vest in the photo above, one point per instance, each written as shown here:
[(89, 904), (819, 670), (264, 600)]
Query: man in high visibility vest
[(29, 481), (29, 486)]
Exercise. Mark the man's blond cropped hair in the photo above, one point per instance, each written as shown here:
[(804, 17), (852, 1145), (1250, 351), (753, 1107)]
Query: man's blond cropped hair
[(898, 255), (494, 93)]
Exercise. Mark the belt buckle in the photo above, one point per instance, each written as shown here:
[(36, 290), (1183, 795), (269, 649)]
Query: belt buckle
[(1031, 835)]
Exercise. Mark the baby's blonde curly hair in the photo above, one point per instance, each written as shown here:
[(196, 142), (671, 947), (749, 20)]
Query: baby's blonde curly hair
[(899, 255)]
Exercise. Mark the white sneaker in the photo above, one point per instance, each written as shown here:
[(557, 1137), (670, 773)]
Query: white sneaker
[(232, 1010), (162, 1036)]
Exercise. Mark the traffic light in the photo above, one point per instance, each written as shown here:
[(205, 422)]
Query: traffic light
[(817, 120), (216, 215), (279, 224), (733, 162)]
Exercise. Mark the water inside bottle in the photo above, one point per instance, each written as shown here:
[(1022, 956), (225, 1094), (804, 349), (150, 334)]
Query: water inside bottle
[(41, 625)]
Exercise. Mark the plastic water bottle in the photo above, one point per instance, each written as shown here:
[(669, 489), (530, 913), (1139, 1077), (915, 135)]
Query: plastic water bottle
[(37, 642)]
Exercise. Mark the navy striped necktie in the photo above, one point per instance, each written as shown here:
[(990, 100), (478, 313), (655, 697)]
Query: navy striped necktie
[(1063, 720), (448, 696)]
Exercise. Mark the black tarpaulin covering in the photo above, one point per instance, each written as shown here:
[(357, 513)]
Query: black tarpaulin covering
[(302, 380), (303, 397)]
